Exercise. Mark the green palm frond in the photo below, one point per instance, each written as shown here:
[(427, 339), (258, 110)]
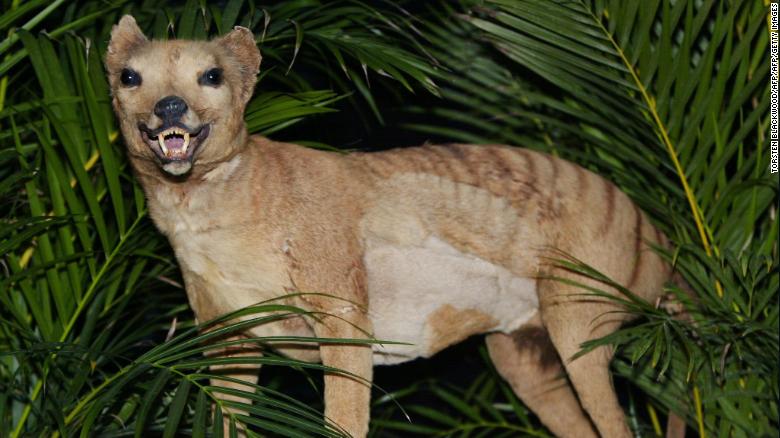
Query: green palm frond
[(669, 100), (666, 98)]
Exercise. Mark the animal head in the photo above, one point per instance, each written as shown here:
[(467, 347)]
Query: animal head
[(180, 103)]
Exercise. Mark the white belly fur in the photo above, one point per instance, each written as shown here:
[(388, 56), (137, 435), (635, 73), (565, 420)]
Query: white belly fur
[(409, 286)]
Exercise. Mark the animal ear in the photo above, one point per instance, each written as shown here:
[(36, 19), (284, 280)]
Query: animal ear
[(241, 44), (125, 37)]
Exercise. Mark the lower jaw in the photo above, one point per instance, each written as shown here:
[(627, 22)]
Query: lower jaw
[(177, 168), (180, 165)]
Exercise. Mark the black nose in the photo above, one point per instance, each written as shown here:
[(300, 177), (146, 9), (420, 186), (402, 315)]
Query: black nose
[(170, 108)]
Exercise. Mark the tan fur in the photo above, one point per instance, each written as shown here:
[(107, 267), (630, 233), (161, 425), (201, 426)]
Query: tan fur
[(450, 325), (527, 360), (430, 244)]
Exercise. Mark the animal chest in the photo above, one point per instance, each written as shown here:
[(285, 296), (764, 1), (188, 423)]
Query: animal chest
[(236, 271), (226, 261)]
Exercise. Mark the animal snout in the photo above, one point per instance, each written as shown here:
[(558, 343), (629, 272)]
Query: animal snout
[(170, 108)]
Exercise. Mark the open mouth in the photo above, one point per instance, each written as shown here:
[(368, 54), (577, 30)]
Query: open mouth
[(174, 143)]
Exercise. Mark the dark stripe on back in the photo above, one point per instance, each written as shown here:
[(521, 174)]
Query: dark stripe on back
[(380, 163), (582, 180), (553, 210), (609, 213), (637, 248), (658, 238), (460, 155), (554, 164), (661, 240), (443, 161), (507, 173), (456, 150), (531, 164), (417, 159)]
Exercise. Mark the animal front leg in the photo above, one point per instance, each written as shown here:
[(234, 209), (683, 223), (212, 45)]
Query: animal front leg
[(231, 377), (347, 398)]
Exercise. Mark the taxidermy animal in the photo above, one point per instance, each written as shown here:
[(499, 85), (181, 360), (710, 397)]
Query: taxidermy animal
[(426, 245)]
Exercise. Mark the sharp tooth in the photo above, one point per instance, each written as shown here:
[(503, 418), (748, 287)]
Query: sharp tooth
[(161, 140), (186, 141)]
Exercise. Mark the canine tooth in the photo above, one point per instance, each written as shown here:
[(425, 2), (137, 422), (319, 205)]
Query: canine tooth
[(186, 141), (161, 140)]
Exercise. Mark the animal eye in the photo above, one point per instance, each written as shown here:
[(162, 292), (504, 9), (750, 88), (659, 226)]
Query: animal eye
[(212, 77), (130, 78)]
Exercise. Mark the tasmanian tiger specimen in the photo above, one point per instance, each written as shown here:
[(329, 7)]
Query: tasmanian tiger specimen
[(426, 245)]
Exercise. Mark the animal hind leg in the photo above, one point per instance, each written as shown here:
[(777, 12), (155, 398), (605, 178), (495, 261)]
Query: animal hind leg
[(527, 360), (571, 320)]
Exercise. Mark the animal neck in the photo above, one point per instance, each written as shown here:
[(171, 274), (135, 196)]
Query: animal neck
[(177, 204)]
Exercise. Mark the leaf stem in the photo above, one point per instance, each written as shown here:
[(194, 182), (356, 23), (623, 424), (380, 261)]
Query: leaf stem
[(664, 137), (662, 131), (699, 413)]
